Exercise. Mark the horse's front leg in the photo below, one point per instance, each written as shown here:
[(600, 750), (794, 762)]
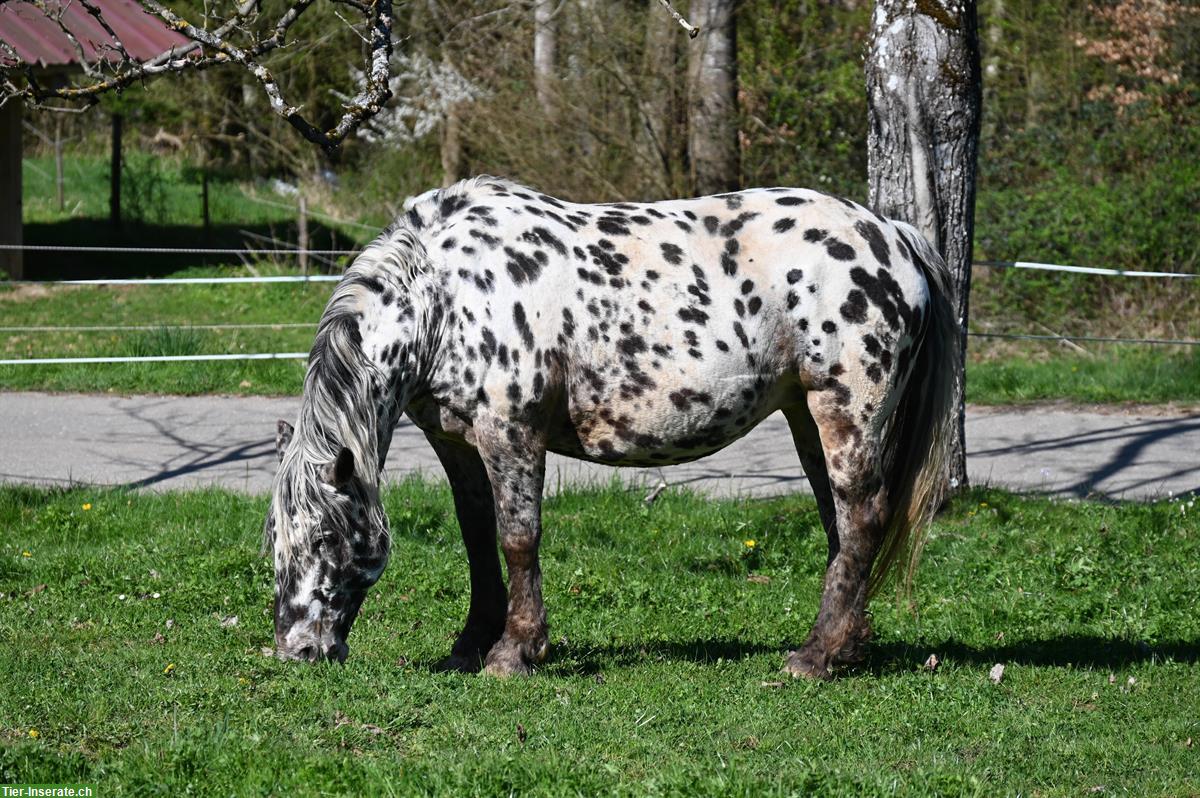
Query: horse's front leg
[(515, 457), (475, 507)]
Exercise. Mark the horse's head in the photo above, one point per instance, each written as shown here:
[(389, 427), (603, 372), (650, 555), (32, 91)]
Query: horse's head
[(334, 548)]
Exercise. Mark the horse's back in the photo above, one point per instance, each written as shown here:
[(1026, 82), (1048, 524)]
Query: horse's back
[(659, 332)]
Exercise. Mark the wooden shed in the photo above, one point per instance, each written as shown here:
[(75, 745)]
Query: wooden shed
[(41, 44)]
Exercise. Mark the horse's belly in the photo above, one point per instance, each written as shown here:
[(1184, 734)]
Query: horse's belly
[(674, 426)]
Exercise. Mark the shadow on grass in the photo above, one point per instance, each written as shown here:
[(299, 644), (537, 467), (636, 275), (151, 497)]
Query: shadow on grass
[(100, 233), (1069, 651), (1081, 651)]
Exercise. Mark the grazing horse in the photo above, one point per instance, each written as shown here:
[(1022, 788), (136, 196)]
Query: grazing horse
[(506, 323)]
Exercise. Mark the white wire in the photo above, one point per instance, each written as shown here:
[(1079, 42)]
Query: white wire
[(1000, 264), (177, 250), (1054, 267), (43, 361), (140, 327), (291, 278)]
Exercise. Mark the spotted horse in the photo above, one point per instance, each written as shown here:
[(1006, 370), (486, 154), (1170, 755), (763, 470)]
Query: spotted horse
[(506, 323)]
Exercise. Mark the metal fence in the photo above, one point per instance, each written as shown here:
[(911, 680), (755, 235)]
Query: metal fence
[(333, 278)]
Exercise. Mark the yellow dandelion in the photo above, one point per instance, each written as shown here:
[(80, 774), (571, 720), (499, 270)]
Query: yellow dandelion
[(34, 733), (983, 504), (87, 506), (26, 554), (750, 543), (169, 669)]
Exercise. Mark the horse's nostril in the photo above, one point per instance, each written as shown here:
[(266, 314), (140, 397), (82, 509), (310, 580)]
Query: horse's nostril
[(307, 653)]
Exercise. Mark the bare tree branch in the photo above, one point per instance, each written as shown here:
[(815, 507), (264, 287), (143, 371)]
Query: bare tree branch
[(113, 68), (691, 29)]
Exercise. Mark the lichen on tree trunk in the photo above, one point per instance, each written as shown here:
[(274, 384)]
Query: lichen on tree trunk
[(924, 102), (545, 44), (712, 97)]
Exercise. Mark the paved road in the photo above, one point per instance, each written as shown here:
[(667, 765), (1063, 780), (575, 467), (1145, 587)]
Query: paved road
[(169, 442)]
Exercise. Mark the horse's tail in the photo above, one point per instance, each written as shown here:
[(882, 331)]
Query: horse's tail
[(916, 443)]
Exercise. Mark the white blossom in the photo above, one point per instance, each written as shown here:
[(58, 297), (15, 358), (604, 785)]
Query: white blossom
[(424, 90)]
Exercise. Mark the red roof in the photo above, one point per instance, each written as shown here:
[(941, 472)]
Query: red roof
[(39, 40)]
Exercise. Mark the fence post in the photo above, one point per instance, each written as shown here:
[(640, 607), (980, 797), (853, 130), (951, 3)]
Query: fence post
[(114, 195), (58, 164), (302, 223), (10, 188), (204, 200)]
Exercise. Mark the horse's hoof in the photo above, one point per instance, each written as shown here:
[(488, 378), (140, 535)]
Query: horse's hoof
[(803, 665), (508, 662)]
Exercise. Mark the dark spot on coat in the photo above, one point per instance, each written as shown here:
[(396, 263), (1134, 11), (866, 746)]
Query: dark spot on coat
[(875, 240), (741, 334), (839, 250), (521, 267), (613, 227), (854, 309), (728, 262), (523, 325)]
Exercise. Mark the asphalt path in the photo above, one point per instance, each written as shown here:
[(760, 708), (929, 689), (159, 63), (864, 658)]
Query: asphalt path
[(166, 443)]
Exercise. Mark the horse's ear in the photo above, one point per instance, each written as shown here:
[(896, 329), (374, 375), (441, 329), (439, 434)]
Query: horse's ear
[(283, 437), (340, 471)]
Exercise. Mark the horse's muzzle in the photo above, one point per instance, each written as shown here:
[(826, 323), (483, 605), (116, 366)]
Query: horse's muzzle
[(314, 652)]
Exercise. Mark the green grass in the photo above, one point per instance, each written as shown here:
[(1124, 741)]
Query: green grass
[(664, 677), (158, 190), (168, 306), (1149, 374), (154, 190)]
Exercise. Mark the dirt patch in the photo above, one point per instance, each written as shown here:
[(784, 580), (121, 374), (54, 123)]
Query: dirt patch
[(26, 293)]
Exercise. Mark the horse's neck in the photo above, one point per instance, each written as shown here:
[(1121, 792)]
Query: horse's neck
[(397, 344)]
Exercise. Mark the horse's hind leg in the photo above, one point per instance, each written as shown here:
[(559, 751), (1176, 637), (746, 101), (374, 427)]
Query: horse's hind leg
[(475, 508), (858, 499), (515, 457), (808, 446)]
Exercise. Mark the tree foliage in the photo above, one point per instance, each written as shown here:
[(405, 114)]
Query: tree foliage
[(1067, 172)]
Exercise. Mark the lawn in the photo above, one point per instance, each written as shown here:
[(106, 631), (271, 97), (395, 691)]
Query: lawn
[(133, 627)]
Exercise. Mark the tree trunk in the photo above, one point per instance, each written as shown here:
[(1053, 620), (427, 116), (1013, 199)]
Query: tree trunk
[(924, 101), (580, 31), (712, 97), (452, 149), (658, 99), (995, 36), (544, 45), (114, 177)]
